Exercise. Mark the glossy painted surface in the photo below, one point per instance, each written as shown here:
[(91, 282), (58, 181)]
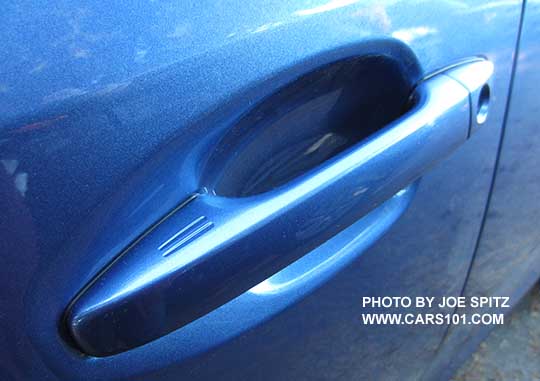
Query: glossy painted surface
[(156, 286), (311, 120), (505, 264), (507, 261), (96, 97)]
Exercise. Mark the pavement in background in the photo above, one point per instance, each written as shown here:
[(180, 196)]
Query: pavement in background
[(511, 351)]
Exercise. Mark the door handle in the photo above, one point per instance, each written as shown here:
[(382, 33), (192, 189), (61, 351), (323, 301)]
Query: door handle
[(211, 248)]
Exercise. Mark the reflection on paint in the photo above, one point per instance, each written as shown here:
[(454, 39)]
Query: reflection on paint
[(330, 6)]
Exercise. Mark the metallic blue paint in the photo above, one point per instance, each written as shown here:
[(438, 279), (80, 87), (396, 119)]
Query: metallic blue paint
[(507, 261), (237, 242), (96, 97)]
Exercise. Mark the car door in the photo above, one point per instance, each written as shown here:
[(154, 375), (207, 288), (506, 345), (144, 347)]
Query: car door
[(507, 259), (203, 190)]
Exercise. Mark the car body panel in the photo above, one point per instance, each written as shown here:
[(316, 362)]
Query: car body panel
[(97, 97), (507, 261)]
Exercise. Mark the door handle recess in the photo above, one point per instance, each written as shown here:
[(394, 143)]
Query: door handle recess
[(211, 248)]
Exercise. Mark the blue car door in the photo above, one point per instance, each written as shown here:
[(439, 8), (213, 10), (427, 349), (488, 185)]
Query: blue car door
[(225, 190)]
